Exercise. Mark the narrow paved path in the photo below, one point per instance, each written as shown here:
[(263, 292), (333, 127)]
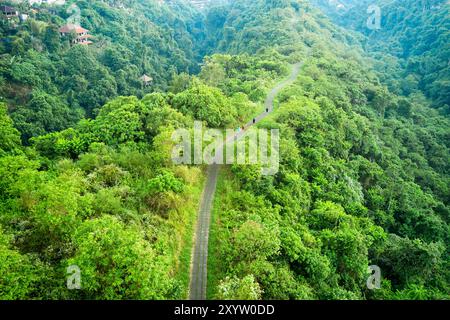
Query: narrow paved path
[(199, 271), (200, 255)]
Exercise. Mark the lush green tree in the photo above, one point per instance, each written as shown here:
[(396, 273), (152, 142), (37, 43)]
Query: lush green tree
[(206, 103), (239, 289), (18, 275)]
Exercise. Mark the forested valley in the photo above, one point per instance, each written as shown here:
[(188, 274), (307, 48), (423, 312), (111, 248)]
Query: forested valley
[(87, 178)]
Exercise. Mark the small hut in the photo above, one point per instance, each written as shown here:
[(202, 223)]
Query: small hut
[(82, 35)]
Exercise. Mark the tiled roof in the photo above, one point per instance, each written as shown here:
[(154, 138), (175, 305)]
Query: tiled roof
[(71, 27)]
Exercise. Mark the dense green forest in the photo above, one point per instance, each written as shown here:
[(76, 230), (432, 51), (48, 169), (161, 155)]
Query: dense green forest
[(50, 85), (87, 179), (412, 41)]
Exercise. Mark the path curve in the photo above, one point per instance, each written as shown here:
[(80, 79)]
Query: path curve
[(199, 260)]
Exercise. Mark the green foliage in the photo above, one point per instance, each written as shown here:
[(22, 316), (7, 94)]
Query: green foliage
[(415, 32), (360, 178), (164, 182), (44, 113), (239, 289), (207, 104), (412, 261), (101, 210), (68, 81), (251, 242), (237, 74)]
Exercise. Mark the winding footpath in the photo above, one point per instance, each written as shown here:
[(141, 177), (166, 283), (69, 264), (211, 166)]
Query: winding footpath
[(199, 261)]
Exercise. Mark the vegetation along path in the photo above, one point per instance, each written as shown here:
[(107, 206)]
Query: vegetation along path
[(200, 253)]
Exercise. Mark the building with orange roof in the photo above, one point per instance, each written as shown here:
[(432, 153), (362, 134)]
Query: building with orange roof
[(82, 35)]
